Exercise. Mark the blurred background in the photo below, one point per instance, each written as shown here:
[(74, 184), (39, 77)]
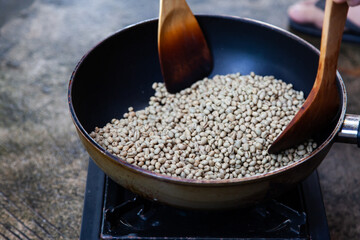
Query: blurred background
[(43, 166)]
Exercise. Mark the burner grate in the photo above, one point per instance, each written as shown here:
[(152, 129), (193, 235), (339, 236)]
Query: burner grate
[(298, 214)]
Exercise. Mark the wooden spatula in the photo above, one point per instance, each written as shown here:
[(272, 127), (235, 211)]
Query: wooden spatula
[(183, 51), (322, 104)]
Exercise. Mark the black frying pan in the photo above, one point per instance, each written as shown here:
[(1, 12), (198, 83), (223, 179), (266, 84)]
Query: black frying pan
[(119, 72)]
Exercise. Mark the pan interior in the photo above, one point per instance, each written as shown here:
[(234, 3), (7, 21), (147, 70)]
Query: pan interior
[(119, 72)]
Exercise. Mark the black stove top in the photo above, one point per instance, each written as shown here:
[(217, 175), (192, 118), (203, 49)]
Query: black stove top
[(112, 212)]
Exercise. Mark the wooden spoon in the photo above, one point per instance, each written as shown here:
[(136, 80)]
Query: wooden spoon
[(322, 104), (183, 52)]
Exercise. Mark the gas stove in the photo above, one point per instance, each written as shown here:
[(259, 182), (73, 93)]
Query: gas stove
[(112, 212)]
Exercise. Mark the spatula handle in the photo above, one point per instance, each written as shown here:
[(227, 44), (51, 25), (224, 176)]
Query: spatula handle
[(333, 27)]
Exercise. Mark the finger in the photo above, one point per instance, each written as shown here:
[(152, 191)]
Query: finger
[(353, 2)]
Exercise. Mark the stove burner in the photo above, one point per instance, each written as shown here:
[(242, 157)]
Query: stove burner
[(134, 215), (298, 214)]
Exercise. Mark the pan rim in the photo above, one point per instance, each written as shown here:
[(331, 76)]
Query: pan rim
[(210, 183)]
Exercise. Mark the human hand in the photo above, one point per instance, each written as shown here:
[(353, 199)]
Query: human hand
[(351, 3)]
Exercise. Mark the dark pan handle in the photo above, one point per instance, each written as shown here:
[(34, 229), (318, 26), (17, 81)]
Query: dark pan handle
[(350, 130)]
